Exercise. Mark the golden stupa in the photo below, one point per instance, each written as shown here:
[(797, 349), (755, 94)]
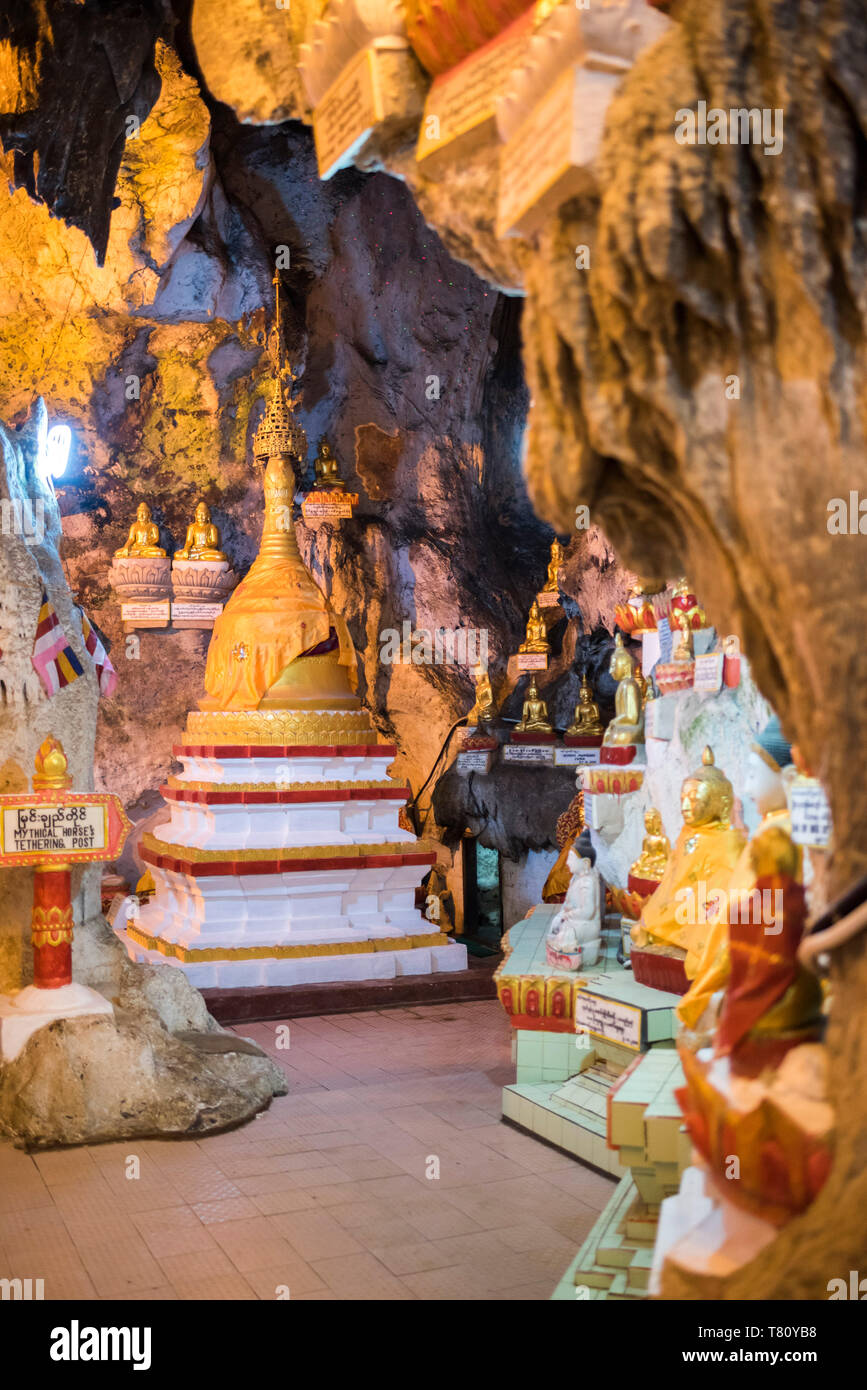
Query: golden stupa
[(278, 644)]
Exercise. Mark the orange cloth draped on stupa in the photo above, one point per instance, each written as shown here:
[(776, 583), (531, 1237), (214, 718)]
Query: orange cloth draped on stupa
[(276, 614)]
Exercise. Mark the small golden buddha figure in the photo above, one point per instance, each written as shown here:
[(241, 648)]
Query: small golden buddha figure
[(203, 539), (484, 709), (641, 682), (586, 723), (627, 726), (325, 465), (683, 652), (534, 715), (655, 849), (537, 633), (700, 866), (144, 536), (558, 555)]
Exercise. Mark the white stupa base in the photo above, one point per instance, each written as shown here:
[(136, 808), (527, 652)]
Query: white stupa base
[(307, 970), (24, 1013)]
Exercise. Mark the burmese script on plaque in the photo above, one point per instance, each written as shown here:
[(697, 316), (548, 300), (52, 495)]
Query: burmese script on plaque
[(615, 1022), (466, 97), (346, 114)]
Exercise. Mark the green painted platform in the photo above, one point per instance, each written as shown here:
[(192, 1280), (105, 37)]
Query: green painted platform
[(562, 1079), (614, 1261)]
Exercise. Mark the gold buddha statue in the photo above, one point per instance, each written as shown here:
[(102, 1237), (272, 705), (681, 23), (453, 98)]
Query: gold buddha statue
[(706, 851), (558, 555), (537, 633), (655, 849), (534, 715), (627, 726), (586, 722), (143, 538), (484, 709), (325, 465), (202, 539)]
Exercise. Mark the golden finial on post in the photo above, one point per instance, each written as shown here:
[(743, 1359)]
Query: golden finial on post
[(51, 764)]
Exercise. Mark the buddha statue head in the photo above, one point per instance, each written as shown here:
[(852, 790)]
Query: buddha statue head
[(622, 666), (707, 795), (203, 515), (143, 514)]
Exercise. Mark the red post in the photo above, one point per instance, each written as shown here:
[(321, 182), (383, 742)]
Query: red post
[(52, 926)]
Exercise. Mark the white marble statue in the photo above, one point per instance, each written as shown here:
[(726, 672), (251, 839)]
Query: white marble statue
[(575, 936)]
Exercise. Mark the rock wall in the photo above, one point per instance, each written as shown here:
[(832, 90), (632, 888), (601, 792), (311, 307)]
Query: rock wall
[(700, 385), (150, 342)]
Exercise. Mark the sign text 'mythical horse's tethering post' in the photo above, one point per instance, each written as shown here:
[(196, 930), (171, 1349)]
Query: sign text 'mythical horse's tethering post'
[(52, 830)]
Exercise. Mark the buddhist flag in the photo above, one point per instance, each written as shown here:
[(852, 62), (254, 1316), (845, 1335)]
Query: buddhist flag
[(97, 646), (54, 661)]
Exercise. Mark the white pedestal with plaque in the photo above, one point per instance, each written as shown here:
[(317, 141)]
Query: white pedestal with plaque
[(460, 110), (379, 87), (552, 111)]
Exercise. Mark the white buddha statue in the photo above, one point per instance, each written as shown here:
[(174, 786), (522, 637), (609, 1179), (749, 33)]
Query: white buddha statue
[(575, 936)]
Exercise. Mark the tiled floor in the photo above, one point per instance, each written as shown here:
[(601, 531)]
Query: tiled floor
[(386, 1173)]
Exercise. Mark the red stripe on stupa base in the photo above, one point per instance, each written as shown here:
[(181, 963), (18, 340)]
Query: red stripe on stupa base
[(243, 868), (278, 750), (283, 797)]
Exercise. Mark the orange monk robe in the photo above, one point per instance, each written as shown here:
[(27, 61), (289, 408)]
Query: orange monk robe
[(675, 914), (713, 970)]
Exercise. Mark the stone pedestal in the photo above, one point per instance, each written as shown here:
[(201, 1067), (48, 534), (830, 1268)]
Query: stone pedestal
[(143, 585), (199, 590)]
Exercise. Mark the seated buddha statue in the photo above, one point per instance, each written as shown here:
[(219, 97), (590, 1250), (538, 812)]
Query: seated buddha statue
[(627, 726), (484, 709), (325, 466), (534, 715), (144, 536), (203, 539), (558, 554), (705, 852), (655, 849), (574, 937), (768, 765), (586, 722), (537, 633)]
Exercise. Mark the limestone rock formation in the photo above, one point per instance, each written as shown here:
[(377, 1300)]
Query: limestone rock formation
[(87, 1080)]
